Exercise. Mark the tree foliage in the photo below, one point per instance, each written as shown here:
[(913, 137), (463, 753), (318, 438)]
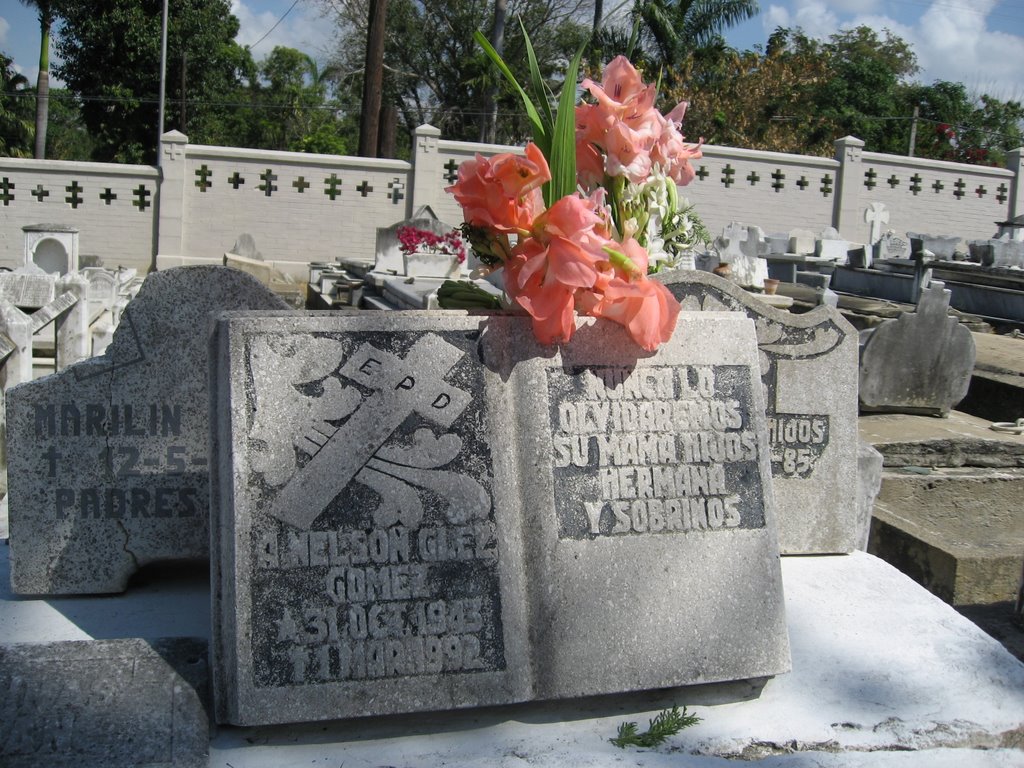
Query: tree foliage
[(801, 94), (16, 111), (434, 72), (119, 89)]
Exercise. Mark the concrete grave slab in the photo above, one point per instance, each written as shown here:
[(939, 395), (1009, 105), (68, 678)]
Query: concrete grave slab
[(101, 703), (920, 362), (29, 291), (808, 366), (423, 511), (108, 459)]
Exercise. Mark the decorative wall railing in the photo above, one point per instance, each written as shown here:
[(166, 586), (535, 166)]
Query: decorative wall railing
[(300, 208)]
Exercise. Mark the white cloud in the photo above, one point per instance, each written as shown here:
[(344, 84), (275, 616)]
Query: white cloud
[(952, 41), (303, 28), (4, 28)]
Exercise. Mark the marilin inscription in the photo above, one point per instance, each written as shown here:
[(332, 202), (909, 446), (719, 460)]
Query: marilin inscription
[(653, 450), (376, 554)]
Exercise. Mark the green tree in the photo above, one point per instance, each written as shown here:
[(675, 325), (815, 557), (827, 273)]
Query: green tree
[(673, 30), (15, 115), (435, 72), (291, 105), (953, 125), (45, 11), (120, 92)]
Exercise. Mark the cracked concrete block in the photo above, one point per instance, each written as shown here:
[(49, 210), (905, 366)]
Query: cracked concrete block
[(429, 510), (108, 458)]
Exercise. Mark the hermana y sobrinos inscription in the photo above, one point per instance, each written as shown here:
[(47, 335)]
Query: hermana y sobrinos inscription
[(428, 510)]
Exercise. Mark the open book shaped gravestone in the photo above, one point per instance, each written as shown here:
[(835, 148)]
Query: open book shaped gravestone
[(107, 460), (808, 368), (428, 510)]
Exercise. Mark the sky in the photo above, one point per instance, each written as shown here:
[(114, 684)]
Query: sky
[(979, 43)]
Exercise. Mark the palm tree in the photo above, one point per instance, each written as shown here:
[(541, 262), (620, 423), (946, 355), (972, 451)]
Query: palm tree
[(676, 28), (46, 15)]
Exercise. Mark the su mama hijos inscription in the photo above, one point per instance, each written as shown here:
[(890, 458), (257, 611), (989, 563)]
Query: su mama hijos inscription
[(656, 449)]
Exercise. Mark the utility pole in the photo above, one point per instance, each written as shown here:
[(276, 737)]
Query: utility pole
[(163, 81), (373, 80), (913, 130)]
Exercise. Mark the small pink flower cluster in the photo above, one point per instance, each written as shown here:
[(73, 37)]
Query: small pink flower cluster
[(622, 134), (413, 239), (569, 257)]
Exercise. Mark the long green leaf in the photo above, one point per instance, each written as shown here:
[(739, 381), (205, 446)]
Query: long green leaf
[(541, 132), (563, 141), (541, 92)]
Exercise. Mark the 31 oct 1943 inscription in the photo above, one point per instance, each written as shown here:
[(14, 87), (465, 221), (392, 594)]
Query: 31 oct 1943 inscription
[(654, 450), (374, 552)]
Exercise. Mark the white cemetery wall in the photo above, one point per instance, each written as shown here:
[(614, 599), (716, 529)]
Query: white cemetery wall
[(932, 197), (112, 206), (297, 207), (301, 207)]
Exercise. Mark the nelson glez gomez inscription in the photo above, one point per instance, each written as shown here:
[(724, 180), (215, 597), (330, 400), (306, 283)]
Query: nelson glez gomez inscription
[(374, 551)]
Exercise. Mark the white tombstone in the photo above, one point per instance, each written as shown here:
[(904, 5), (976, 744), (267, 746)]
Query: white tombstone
[(53, 248), (876, 216), (801, 242), (743, 247)]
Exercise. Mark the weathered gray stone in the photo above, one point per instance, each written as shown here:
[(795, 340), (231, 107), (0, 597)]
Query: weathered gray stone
[(920, 362), (801, 241), (422, 511), (103, 703), (942, 246), (892, 246), (28, 291), (108, 459), (809, 372)]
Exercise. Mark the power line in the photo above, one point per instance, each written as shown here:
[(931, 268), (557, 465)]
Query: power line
[(265, 34)]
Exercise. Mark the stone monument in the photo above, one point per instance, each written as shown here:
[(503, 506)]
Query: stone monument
[(108, 458), (808, 366), (421, 511)]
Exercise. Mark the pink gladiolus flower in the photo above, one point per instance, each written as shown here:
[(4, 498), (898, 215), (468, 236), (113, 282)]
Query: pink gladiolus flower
[(645, 308), (562, 255), (502, 192), (622, 91)]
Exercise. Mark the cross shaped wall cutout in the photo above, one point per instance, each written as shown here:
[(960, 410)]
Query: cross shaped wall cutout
[(108, 195), (301, 184), (40, 192), (141, 200), (74, 190), (6, 195), (204, 175), (331, 186)]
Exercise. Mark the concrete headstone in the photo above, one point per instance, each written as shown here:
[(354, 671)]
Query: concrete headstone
[(108, 458), (809, 373), (743, 247), (390, 260), (892, 246), (920, 362), (28, 291), (941, 246), (801, 242), (422, 511), (90, 704)]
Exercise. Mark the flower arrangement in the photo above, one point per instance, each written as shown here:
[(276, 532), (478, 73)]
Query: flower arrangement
[(413, 239), (591, 207)]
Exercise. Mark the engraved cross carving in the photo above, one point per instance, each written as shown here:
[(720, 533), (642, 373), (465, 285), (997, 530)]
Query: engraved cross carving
[(400, 387)]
